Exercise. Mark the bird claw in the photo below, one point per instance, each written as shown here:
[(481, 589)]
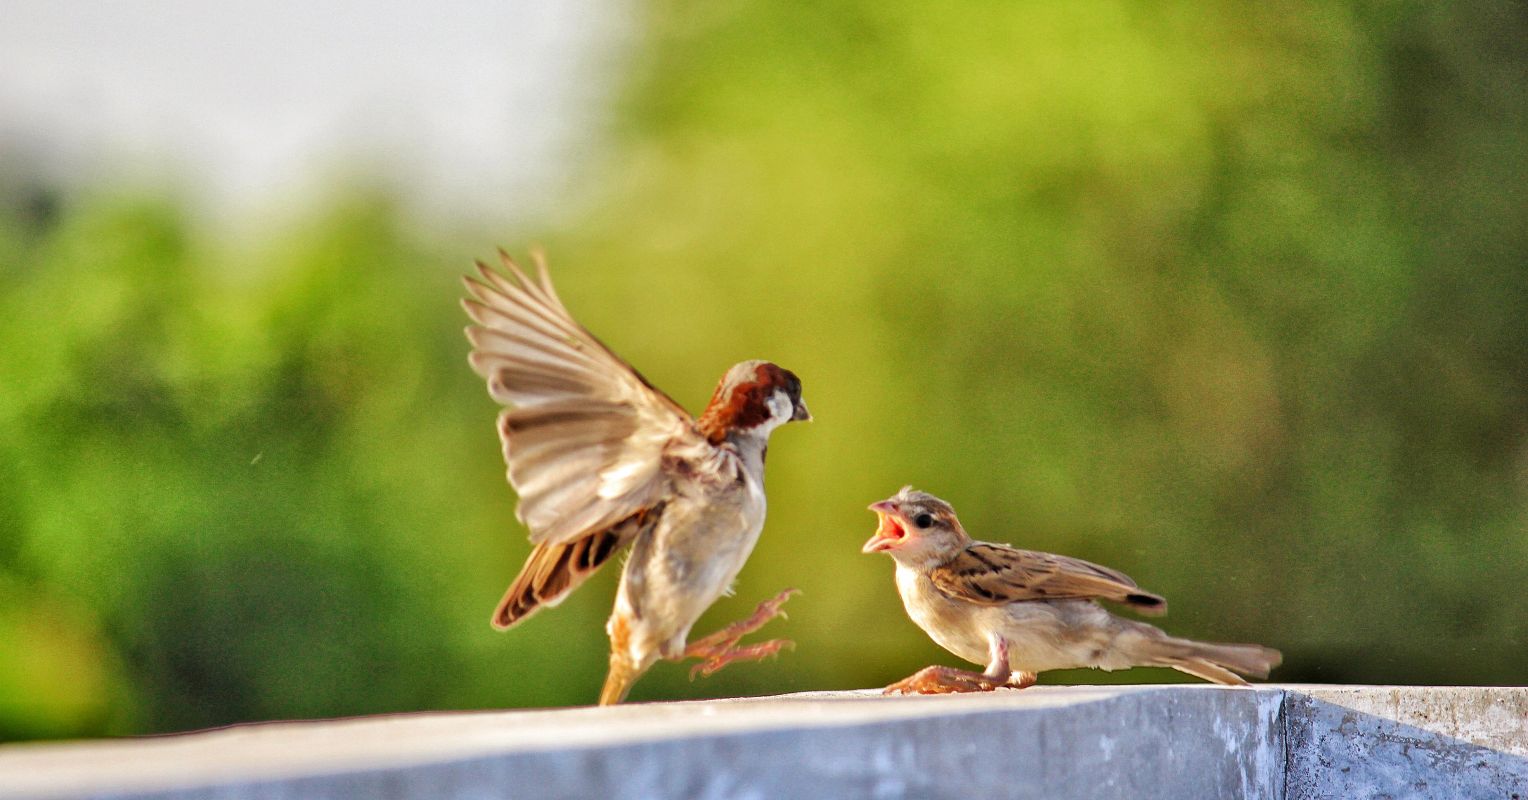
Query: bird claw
[(721, 648), (949, 680), (729, 636), (752, 652)]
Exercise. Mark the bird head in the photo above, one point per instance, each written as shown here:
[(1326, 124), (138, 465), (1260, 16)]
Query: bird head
[(753, 399), (916, 527)]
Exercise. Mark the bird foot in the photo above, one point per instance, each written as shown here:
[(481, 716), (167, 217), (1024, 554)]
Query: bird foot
[(750, 652), (727, 637), (949, 680), (721, 648)]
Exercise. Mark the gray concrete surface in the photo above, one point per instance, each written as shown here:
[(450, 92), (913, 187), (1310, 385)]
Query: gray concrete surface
[(1181, 741), (1393, 742)]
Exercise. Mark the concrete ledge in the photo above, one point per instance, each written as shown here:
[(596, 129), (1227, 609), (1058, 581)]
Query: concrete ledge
[(1180, 741), (1415, 741)]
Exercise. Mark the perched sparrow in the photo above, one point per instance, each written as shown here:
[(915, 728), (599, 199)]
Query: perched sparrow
[(1021, 612), (601, 459)]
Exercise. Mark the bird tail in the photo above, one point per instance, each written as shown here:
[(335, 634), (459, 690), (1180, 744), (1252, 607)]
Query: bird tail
[(1212, 661)]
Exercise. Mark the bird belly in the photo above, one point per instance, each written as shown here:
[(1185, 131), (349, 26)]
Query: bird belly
[(1056, 634), (692, 559)]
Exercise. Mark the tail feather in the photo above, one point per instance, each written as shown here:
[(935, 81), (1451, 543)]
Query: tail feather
[(1207, 670), (1219, 663)]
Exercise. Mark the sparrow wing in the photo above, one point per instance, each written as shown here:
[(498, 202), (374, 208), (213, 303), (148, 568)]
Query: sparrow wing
[(584, 434), (553, 570), (996, 574)]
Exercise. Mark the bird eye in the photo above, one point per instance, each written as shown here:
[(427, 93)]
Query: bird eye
[(923, 520)]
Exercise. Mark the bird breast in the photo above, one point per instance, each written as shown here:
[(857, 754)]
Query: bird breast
[(692, 557), (954, 625)]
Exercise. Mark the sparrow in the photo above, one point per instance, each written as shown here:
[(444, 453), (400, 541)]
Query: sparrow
[(1022, 612), (603, 461)]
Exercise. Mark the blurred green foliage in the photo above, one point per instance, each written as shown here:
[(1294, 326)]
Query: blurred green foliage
[(1231, 296)]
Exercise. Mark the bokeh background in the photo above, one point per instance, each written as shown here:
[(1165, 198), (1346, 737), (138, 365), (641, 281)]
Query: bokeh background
[(1230, 295)]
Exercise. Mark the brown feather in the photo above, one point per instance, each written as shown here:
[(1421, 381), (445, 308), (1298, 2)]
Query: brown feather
[(1212, 661), (585, 436), (553, 570), (741, 402), (995, 574)]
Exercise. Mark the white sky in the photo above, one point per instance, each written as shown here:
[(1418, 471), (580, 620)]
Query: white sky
[(477, 105)]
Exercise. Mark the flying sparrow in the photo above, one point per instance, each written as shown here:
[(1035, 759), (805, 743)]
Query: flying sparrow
[(601, 460), (1020, 612)]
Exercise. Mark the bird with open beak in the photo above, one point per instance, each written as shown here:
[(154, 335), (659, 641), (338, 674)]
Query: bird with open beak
[(1022, 612)]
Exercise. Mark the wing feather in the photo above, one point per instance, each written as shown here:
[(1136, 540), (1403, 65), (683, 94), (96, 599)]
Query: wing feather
[(553, 570), (995, 574), (584, 433)]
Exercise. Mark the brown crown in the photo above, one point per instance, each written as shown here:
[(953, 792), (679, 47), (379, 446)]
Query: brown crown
[(741, 400)]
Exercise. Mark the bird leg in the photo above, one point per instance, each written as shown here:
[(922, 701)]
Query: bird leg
[(721, 648), (997, 659), (999, 669)]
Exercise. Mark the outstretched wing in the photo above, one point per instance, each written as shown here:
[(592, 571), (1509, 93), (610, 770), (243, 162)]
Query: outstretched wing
[(995, 574), (584, 434)]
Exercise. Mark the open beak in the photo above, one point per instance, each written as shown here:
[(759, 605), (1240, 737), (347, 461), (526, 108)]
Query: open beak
[(892, 531), (801, 414)]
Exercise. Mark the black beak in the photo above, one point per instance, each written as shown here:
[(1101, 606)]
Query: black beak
[(801, 414)]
